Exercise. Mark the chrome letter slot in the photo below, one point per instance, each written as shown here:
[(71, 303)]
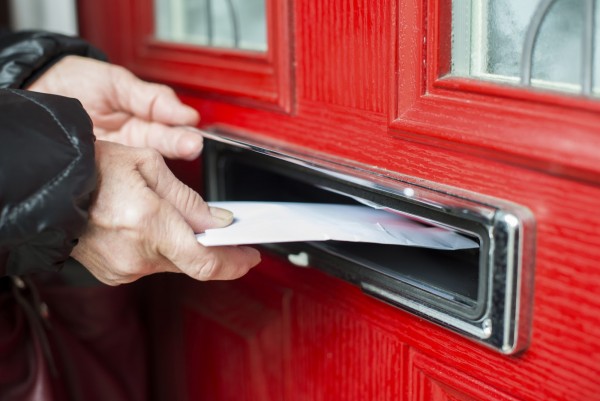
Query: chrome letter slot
[(483, 293)]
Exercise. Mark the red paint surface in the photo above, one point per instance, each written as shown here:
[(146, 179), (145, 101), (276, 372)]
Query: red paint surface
[(261, 78), (367, 87)]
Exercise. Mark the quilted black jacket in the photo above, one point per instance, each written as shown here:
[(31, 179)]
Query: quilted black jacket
[(47, 167)]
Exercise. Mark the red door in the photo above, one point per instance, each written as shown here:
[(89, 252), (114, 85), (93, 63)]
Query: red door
[(384, 85)]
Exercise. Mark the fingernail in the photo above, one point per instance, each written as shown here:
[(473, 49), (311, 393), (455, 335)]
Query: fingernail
[(223, 215), (191, 145)]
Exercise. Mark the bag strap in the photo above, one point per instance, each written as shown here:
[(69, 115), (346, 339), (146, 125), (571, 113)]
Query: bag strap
[(37, 313)]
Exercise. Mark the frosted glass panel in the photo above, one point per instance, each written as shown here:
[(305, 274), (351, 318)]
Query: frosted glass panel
[(236, 24), (489, 36)]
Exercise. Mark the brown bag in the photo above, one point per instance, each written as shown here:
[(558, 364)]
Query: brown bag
[(60, 342)]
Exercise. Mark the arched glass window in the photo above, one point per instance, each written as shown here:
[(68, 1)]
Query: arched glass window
[(550, 44)]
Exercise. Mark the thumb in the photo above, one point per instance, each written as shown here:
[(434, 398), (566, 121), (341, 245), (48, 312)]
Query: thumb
[(196, 212)]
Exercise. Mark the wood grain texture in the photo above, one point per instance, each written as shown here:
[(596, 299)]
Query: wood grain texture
[(235, 338), (343, 57), (432, 380), (264, 79), (344, 357), (361, 67), (537, 129)]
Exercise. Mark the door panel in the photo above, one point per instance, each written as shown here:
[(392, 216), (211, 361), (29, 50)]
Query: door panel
[(236, 339), (432, 380), (366, 81)]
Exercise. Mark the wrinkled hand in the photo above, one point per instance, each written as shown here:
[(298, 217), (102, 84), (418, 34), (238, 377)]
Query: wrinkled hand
[(143, 221), (123, 108)]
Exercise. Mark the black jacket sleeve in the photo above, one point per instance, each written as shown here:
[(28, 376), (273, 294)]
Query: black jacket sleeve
[(47, 176), (47, 165), (26, 55)]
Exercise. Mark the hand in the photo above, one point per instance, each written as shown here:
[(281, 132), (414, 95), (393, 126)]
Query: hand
[(123, 108), (143, 221)]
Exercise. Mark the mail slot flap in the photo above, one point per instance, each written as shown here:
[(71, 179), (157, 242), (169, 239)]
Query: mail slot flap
[(482, 293)]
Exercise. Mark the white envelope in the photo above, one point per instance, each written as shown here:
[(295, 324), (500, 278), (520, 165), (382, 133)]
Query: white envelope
[(273, 222)]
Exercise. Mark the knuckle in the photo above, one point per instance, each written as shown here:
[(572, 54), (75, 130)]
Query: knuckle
[(126, 272), (208, 269), (187, 198), (113, 278), (135, 216), (121, 72), (115, 281), (150, 155), (132, 215), (163, 89)]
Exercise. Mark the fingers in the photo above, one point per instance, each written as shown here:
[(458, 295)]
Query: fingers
[(155, 109), (171, 142), (150, 101), (177, 243), (182, 212), (188, 203), (224, 263), (140, 223), (167, 108)]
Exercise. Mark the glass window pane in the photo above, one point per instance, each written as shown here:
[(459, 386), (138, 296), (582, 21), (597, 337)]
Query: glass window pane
[(238, 24), (489, 36)]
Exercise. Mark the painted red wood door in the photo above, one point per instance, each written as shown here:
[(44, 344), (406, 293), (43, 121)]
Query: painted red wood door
[(368, 81)]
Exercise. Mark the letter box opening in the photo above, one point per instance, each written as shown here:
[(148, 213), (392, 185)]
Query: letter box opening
[(483, 293)]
